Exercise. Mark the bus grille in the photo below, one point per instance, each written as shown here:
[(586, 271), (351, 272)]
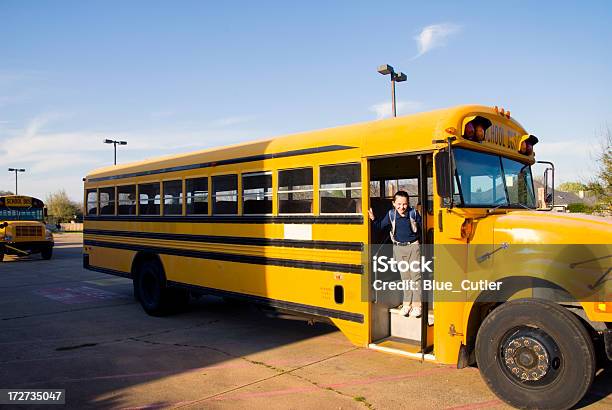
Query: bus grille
[(28, 231)]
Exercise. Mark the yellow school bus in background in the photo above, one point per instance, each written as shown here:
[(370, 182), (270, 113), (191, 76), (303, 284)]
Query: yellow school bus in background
[(283, 222), (22, 227)]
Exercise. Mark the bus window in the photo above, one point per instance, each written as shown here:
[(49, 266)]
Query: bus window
[(340, 189), (173, 197), (92, 202), (295, 191), (149, 199), (126, 200), (257, 193), (107, 201), (197, 196), (225, 194)]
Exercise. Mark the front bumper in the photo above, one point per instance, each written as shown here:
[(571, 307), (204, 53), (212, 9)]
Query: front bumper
[(18, 248)]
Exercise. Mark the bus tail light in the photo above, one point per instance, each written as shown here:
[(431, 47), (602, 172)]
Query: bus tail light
[(604, 307)]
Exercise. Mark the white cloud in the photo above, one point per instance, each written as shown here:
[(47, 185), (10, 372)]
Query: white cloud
[(58, 160), (383, 109), (434, 36)]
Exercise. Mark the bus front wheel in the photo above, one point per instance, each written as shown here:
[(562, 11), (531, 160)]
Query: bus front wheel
[(1, 253), (47, 252), (535, 354)]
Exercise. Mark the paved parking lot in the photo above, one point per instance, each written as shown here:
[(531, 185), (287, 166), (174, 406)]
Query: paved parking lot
[(65, 327)]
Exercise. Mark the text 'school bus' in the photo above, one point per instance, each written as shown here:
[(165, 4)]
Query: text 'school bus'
[(22, 227), (283, 222)]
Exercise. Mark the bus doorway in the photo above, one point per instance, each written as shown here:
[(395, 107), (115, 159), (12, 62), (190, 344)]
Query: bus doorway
[(390, 330)]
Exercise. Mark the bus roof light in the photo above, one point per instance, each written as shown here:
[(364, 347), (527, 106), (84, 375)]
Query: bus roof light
[(527, 143)]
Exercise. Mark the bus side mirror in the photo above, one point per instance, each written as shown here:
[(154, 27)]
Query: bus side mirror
[(45, 212), (443, 174), (4, 225), (549, 186)]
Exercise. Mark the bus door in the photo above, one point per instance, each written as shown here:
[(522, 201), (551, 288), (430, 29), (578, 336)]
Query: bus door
[(391, 329)]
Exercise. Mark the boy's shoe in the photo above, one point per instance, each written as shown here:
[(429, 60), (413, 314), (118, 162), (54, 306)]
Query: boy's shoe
[(416, 311), (405, 310)]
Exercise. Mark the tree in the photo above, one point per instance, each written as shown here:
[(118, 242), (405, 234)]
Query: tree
[(601, 184), (574, 187), (60, 207), (5, 192)]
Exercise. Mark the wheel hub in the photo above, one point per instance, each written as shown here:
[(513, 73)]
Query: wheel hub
[(526, 358)]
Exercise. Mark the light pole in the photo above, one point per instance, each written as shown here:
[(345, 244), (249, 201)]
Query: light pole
[(115, 143), (16, 170), (386, 69)]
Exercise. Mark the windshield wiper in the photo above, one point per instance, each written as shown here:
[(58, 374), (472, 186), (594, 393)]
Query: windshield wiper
[(519, 204), (490, 210)]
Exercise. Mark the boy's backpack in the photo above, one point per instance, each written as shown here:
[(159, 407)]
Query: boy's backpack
[(411, 214)]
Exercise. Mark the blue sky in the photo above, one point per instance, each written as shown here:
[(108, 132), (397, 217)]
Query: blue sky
[(180, 76)]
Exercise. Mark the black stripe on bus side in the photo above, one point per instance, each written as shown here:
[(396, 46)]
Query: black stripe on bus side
[(239, 160), (235, 219), (276, 303), (229, 257), (233, 240), (109, 271)]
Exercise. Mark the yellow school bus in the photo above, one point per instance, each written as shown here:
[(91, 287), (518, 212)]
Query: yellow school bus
[(22, 227), (283, 222)]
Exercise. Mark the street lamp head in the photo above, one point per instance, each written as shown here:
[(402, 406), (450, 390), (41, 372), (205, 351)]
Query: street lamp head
[(399, 77), (107, 141), (122, 142), (385, 69), (21, 170)]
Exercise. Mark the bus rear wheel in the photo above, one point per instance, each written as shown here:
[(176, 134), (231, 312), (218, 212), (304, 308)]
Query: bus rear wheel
[(47, 252), (154, 296), (535, 354)]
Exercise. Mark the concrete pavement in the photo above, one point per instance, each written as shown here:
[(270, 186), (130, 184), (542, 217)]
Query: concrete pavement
[(65, 327)]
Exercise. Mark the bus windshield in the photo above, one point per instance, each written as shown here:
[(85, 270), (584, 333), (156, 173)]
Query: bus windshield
[(488, 180)]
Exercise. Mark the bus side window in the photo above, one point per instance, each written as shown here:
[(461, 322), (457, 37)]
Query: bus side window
[(149, 199), (92, 202), (107, 201), (257, 193), (197, 196), (126, 200), (173, 197), (295, 191), (340, 190), (225, 194)]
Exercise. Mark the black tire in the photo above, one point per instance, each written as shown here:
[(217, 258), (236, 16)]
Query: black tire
[(154, 296), (47, 253), (1, 253), (510, 359)]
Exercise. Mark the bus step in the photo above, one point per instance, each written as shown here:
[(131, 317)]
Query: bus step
[(404, 347), (406, 327)]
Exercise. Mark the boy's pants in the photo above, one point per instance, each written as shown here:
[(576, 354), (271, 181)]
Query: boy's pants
[(410, 253)]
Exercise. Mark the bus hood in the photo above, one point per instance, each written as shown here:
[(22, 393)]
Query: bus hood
[(547, 228)]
